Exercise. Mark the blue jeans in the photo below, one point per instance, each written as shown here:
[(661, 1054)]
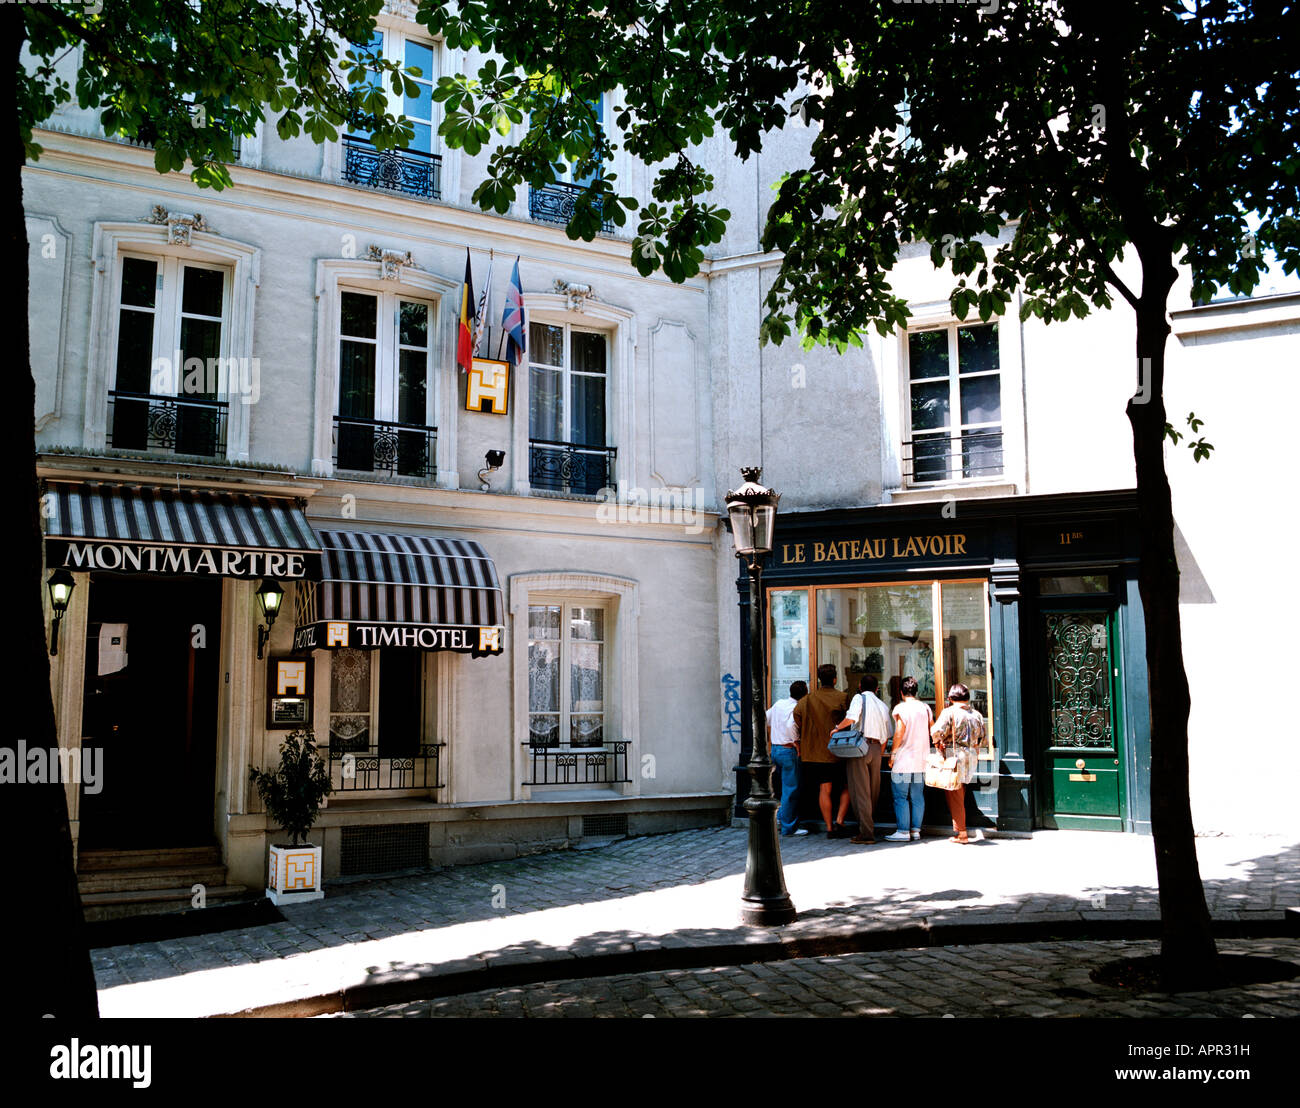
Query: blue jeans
[(786, 762), (909, 793)]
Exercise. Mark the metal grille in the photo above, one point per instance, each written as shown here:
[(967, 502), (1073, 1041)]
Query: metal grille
[(555, 204), (410, 171), (604, 826), (167, 424), (1078, 670), (370, 767), (374, 446), (384, 849), (571, 765), (939, 457), (570, 467)]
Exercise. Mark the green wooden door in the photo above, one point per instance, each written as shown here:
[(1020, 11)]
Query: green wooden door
[(1084, 763)]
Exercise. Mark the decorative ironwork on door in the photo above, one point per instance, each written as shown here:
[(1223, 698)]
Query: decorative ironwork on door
[(1078, 667)]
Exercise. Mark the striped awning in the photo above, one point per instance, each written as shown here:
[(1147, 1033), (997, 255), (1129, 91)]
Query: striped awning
[(401, 590), (168, 530)]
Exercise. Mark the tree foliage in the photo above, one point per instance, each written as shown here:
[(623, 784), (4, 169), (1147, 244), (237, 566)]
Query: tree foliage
[(189, 78), (1042, 150), (1086, 129)]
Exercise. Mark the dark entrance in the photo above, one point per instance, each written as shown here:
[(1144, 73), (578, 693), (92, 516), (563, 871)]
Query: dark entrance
[(151, 707), (1082, 784)]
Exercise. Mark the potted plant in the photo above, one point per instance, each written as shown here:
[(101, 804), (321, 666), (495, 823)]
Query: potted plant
[(293, 795)]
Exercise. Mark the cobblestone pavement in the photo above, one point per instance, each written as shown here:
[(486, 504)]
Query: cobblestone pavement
[(670, 891), (1008, 979)]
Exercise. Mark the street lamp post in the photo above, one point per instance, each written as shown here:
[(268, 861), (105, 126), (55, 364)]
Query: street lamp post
[(765, 902)]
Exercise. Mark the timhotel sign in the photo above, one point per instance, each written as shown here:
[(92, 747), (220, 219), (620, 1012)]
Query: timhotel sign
[(344, 634), (194, 561)]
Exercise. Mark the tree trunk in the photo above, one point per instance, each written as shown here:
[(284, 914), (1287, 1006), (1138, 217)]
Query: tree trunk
[(1188, 953), (51, 970)]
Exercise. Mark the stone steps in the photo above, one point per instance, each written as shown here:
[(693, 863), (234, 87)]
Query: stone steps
[(134, 902), (95, 861), (119, 883)]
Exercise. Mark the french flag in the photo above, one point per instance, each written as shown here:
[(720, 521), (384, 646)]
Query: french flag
[(513, 321)]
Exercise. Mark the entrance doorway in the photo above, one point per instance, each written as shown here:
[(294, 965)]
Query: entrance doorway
[(1082, 782), (150, 705)]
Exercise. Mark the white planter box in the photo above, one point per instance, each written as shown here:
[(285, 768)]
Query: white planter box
[(294, 875)]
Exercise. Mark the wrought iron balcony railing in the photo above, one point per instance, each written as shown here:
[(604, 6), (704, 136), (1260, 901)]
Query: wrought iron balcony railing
[(943, 457), (570, 466), (167, 424), (375, 446), (370, 768), (577, 765), (554, 204), (410, 171)]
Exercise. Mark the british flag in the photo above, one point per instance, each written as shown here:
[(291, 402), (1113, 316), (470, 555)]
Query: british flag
[(513, 321)]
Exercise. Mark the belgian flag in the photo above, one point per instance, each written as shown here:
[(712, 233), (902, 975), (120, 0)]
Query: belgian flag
[(465, 338)]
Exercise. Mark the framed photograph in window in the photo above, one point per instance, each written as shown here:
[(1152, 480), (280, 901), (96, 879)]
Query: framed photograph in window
[(973, 661)]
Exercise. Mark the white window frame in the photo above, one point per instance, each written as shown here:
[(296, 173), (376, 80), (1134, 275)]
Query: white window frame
[(112, 242), (389, 350), (956, 428), (567, 373), (333, 277), (565, 710), (396, 32), (619, 597), (619, 325), (895, 383)]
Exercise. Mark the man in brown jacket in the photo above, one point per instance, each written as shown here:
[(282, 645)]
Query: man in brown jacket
[(814, 716)]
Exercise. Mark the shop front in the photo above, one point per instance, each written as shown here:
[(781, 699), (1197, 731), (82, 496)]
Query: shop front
[(1030, 602), (161, 577)]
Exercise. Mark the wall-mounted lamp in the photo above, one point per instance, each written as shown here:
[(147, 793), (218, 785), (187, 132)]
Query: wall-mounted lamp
[(270, 596), (494, 459), (60, 584)]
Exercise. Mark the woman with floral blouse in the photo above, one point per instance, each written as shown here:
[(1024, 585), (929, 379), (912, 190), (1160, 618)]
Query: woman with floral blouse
[(959, 733)]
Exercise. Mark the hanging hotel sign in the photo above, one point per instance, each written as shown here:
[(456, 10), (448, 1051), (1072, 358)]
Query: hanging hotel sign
[(488, 387), (346, 634), (191, 561), (913, 546)]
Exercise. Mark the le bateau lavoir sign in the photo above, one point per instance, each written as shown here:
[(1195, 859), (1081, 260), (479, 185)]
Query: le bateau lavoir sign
[(917, 547)]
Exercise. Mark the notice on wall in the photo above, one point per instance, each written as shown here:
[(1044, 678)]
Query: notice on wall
[(112, 648)]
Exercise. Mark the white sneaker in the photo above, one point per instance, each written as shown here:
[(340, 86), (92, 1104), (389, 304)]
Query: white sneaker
[(801, 831), (915, 835), (898, 837)]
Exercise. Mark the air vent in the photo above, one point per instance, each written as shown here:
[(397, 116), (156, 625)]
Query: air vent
[(384, 849), (604, 827)]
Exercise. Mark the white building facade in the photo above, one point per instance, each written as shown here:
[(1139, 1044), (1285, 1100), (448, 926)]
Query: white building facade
[(497, 598), (510, 611)]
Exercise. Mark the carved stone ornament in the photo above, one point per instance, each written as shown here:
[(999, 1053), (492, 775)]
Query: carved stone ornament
[(403, 9), (390, 261), (578, 294), (180, 225)]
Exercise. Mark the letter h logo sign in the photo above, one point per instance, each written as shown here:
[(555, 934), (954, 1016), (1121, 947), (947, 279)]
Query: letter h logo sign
[(489, 386)]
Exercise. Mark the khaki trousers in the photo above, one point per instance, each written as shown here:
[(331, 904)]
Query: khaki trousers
[(864, 788)]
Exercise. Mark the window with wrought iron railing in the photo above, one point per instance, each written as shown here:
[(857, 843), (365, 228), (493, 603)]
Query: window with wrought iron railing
[(382, 422), (568, 448), (171, 375), (954, 396), (416, 169)]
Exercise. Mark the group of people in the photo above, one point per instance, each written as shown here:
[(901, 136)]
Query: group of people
[(801, 726)]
